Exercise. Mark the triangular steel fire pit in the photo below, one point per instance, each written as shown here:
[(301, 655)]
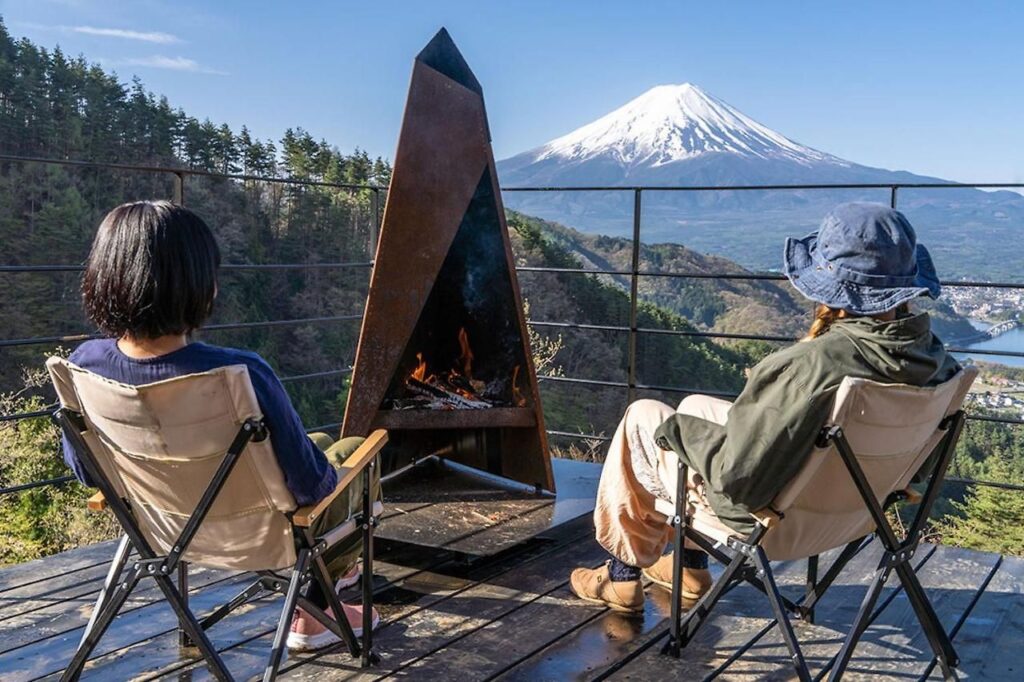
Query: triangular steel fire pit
[(444, 361)]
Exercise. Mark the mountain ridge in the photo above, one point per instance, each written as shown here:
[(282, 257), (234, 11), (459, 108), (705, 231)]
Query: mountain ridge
[(682, 136)]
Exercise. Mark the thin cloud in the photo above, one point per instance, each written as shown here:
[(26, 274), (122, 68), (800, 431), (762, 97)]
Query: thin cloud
[(158, 61), (144, 36), (157, 37)]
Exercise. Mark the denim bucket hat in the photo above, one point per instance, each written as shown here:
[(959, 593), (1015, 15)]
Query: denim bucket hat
[(864, 258)]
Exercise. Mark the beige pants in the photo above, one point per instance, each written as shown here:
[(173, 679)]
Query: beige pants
[(636, 496)]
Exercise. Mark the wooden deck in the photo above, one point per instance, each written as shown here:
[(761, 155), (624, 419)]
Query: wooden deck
[(511, 616)]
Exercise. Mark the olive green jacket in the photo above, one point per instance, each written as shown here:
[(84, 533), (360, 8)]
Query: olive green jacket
[(774, 422)]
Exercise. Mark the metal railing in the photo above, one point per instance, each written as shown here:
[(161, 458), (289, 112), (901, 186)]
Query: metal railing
[(631, 384)]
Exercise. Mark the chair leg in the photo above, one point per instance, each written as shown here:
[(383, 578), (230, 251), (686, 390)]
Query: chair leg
[(822, 584), (698, 614), (368, 657), (98, 626), (772, 590), (937, 636), (193, 630), (284, 623), (339, 624), (860, 624), (116, 566), (812, 584), (675, 636), (236, 601), (183, 639)]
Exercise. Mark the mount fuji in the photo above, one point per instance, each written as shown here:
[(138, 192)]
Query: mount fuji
[(680, 135)]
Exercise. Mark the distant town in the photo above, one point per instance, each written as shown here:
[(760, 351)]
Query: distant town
[(991, 305)]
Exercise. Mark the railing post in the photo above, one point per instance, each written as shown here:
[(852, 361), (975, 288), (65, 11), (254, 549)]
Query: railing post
[(892, 196), (634, 287), (179, 188)]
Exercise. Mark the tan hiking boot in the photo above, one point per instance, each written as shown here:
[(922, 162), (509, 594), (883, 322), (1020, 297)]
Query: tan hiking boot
[(595, 585), (696, 581)]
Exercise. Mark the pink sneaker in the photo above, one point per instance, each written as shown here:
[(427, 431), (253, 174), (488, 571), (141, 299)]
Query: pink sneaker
[(309, 634), (350, 578)]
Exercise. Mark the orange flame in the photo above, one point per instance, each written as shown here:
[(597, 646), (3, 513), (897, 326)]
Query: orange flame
[(466, 358), (420, 373)]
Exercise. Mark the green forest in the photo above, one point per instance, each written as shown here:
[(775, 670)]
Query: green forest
[(277, 235)]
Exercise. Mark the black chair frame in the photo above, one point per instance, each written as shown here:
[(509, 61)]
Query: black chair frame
[(749, 563), (126, 572)]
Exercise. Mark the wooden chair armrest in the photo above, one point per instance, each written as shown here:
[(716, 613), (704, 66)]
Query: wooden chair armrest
[(354, 465), (97, 502), (767, 518)]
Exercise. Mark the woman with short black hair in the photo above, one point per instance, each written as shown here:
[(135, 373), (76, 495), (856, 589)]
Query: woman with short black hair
[(150, 282)]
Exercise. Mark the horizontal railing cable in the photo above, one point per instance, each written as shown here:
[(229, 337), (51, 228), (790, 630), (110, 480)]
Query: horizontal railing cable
[(227, 266), (74, 338), (773, 188), (731, 395), (187, 172), (60, 480)]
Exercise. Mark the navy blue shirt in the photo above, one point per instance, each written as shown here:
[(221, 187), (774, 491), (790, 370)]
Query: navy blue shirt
[(307, 472)]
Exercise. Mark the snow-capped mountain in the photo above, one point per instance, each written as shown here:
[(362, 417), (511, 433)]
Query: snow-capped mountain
[(680, 135), (672, 123)]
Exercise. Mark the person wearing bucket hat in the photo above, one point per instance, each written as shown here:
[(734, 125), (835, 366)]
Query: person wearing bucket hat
[(864, 259), (862, 267)]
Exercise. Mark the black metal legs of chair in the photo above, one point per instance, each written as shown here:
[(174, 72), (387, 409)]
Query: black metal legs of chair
[(679, 524), (113, 575), (764, 572), (898, 554), (369, 523), (112, 600)]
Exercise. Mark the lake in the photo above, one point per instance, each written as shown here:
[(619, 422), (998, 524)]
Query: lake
[(1012, 341)]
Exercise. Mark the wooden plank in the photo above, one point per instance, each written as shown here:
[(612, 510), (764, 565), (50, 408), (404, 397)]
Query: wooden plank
[(895, 645), (41, 594), (768, 658), (989, 642), (739, 621), (21, 575), (160, 654), (889, 645), (598, 645), (401, 588), (422, 614), (429, 630), (49, 644), (488, 650)]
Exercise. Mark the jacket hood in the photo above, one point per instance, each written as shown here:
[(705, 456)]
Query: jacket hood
[(903, 350)]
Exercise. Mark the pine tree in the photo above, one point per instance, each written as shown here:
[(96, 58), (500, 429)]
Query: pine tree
[(992, 518)]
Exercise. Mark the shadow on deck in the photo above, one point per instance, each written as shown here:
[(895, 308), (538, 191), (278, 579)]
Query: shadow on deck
[(510, 615)]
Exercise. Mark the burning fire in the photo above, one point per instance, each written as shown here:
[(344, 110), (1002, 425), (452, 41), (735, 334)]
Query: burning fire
[(420, 373), (456, 388)]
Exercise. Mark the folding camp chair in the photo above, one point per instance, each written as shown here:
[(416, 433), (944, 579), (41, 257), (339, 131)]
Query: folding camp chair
[(877, 438), (187, 468)]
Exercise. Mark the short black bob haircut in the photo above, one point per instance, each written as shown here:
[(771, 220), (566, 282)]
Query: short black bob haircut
[(152, 271)]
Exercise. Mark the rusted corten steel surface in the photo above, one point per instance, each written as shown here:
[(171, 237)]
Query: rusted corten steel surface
[(443, 160)]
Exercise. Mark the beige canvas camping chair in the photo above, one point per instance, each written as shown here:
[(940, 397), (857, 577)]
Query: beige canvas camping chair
[(188, 470), (878, 437)]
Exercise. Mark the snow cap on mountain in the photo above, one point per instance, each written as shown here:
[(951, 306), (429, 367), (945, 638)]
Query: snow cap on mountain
[(670, 123)]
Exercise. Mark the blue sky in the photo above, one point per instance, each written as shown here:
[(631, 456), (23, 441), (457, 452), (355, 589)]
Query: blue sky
[(932, 87)]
